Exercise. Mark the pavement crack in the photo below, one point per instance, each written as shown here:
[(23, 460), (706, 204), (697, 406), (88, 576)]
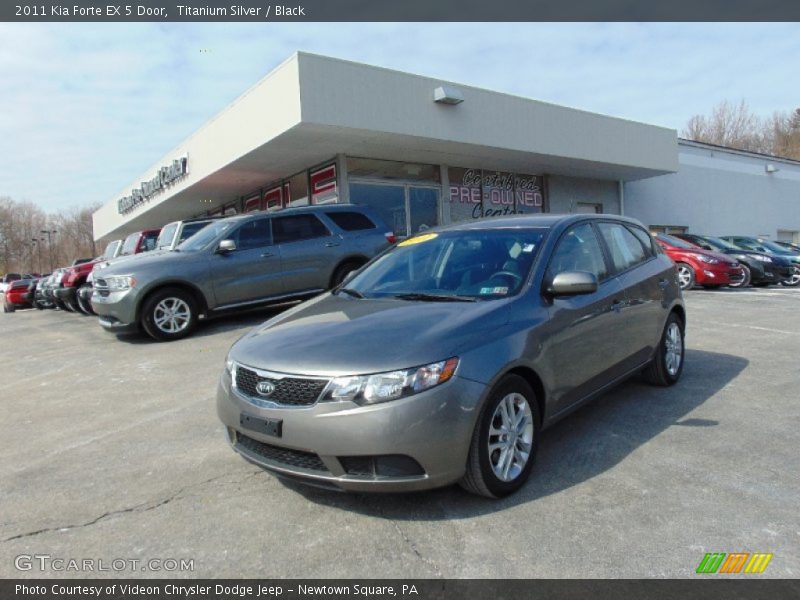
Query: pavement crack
[(411, 544), (138, 508)]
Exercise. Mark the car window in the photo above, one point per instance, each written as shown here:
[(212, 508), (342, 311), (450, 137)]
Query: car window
[(626, 251), (578, 250), (253, 234), (149, 241), (298, 227), (189, 229), (645, 238), (166, 235), (351, 221)]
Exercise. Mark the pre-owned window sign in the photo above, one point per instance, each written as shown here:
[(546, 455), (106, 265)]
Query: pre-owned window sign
[(165, 177)]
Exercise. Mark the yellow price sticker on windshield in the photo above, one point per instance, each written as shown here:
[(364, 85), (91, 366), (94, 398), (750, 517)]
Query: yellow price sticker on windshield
[(418, 239)]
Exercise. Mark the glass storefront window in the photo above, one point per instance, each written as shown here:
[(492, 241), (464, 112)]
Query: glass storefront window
[(323, 185), (475, 193), (369, 168), (389, 201), (296, 190)]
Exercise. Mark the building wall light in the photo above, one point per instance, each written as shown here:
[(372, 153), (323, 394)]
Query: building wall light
[(447, 95)]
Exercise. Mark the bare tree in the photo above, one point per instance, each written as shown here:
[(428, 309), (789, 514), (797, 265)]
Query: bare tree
[(736, 126), (25, 248)]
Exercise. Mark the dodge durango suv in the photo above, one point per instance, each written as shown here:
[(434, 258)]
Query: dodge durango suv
[(236, 263), (443, 359)]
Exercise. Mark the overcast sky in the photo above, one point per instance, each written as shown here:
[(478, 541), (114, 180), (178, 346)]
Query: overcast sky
[(86, 109)]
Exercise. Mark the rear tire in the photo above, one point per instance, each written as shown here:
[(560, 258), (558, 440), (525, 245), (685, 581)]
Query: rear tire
[(745, 280), (169, 314), (667, 365), (686, 276), (509, 423)]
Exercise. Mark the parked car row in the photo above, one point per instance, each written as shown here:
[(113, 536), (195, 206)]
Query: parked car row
[(732, 261), (163, 281)]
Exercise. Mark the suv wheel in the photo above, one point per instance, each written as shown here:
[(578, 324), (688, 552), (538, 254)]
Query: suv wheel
[(667, 365), (504, 443), (169, 314), (342, 271), (685, 276)]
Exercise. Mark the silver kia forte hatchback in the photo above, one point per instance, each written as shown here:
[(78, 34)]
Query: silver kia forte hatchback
[(444, 358)]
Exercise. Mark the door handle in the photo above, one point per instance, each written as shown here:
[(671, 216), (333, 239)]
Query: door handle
[(663, 283), (331, 244), (267, 255)]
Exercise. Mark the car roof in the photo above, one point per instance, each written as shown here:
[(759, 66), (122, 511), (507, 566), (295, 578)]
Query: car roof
[(539, 220)]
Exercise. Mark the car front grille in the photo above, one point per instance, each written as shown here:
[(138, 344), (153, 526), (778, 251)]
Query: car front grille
[(283, 456), (289, 391)]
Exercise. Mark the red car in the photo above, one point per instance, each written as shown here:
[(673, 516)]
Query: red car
[(697, 266), (19, 294)]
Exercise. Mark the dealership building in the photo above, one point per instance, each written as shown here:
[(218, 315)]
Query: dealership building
[(424, 152)]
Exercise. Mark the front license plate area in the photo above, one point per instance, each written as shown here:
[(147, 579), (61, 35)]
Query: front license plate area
[(273, 427)]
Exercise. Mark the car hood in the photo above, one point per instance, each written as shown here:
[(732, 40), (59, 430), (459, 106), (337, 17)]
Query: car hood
[(125, 265), (340, 335), (778, 260)]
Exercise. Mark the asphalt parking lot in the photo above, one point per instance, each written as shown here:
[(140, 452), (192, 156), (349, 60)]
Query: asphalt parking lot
[(111, 449)]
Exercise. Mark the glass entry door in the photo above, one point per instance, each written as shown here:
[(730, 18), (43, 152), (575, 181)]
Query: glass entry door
[(407, 209)]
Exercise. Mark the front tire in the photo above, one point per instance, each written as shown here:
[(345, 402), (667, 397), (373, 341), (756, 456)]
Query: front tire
[(794, 280), (686, 277), (169, 314), (505, 440), (85, 305), (667, 365), (745, 280)]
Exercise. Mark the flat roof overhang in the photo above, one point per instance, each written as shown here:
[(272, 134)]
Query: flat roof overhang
[(312, 108)]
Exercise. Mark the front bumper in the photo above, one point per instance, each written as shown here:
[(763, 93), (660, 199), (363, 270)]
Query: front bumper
[(116, 310), (318, 442), (718, 274)]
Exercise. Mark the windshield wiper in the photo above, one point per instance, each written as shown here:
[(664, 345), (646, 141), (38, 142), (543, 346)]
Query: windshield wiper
[(351, 292), (435, 297)]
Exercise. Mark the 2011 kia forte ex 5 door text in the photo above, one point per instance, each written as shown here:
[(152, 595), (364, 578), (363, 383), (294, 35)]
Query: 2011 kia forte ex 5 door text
[(443, 359)]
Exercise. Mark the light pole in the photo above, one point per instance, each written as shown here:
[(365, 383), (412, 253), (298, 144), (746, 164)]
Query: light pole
[(50, 233), (38, 242)]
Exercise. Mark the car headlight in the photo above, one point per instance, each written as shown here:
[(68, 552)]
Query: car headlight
[(760, 258), (120, 283), (230, 368), (382, 387), (707, 259)]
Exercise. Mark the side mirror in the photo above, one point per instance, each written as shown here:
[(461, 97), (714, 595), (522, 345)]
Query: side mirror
[(226, 247), (572, 283)]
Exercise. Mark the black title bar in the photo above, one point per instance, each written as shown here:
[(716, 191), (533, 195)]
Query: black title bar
[(263, 11)]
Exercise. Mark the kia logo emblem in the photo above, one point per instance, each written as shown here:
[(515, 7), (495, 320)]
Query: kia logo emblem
[(265, 388)]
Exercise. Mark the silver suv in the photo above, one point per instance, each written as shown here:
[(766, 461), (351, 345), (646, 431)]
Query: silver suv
[(444, 358), (236, 263)]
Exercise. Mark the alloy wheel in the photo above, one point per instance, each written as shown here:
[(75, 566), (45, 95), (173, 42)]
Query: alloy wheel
[(673, 348), (172, 315), (684, 277), (510, 437)]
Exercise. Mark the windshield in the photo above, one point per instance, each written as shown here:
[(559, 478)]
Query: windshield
[(129, 245), (206, 236), (776, 248), (720, 243), (673, 241), (166, 235), (111, 249), (476, 264), (189, 229)]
